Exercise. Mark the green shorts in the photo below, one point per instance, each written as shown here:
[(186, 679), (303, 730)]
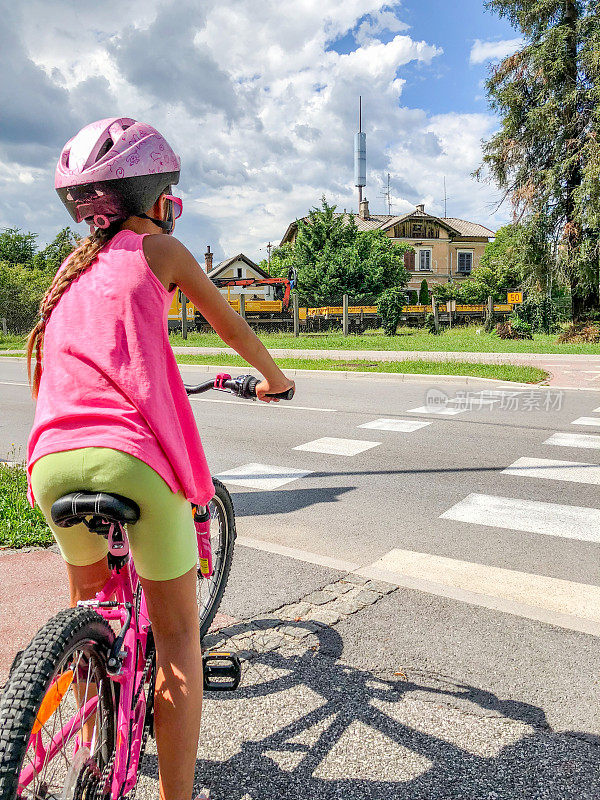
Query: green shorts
[(163, 541)]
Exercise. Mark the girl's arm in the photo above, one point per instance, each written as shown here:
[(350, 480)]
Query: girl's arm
[(173, 263)]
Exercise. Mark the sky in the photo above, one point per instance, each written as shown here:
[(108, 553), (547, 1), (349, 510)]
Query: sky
[(260, 100)]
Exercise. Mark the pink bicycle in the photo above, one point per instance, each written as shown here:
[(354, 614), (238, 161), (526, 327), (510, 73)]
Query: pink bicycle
[(77, 708)]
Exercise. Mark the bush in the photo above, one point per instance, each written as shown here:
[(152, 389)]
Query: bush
[(424, 293), (580, 332), (390, 305), (514, 328), (430, 325), (540, 313), (21, 290), (20, 525)]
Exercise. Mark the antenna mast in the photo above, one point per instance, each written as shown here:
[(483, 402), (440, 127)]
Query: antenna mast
[(360, 155), (445, 199), (387, 194)]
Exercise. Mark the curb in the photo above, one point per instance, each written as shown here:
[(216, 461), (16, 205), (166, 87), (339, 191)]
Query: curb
[(400, 377)]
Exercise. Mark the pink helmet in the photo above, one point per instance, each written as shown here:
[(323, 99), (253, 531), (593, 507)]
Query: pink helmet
[(113, 169)]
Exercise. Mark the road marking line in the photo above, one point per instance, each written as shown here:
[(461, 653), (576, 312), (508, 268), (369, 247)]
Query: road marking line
[(575, 606), (550, 519), (261, 476), (552, 469), (436, 410), (587, 440), (337, 447), (256, 405), (586, 421), (299, 555), (13, 383), (400, 425), (565, 604)]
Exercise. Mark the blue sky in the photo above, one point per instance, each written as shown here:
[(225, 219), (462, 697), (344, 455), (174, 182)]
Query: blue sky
[(450, 83), (260, 103)]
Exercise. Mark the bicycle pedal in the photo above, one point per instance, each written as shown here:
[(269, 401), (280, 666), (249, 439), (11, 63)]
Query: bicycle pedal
[(222, 671)]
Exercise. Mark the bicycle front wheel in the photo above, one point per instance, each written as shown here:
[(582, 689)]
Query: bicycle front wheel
[(222, 539), (58, 712)]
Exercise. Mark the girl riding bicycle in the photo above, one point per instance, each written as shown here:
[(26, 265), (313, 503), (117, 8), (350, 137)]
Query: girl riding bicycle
[(112, 414)]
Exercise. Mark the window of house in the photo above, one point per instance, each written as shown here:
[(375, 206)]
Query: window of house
[(409, 260), (239, 272), (425, 260), (417, 229), (465, 261)]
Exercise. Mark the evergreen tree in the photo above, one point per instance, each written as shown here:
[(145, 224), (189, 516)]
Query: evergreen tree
[(424, 293), (546, 154)]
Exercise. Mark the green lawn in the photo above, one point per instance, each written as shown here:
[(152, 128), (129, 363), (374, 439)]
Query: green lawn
[(459, 339), (504, 372), (12, 342), (20, 525)]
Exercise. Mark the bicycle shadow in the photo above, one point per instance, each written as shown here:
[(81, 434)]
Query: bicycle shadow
[(304, 723)]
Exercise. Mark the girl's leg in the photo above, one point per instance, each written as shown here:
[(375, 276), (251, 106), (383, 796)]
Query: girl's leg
[(173, 611), (86, 582)]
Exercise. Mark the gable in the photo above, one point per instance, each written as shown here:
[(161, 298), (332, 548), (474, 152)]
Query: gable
[(229, 267)]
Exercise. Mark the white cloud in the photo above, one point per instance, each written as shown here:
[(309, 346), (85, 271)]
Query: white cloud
[(492, 51), (259, 106)]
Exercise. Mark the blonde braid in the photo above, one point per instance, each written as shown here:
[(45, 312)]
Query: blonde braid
[(79, 261)]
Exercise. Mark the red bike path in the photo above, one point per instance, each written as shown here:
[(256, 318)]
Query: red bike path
[(33, 587)]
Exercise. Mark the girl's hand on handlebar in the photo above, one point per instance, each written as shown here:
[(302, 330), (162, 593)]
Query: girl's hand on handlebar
[(265, 388)]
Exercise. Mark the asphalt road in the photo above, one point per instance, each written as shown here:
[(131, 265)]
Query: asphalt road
[(495, 614)]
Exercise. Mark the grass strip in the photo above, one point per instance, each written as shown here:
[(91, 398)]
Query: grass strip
[(465, 338), (504, 372), (20, 525)]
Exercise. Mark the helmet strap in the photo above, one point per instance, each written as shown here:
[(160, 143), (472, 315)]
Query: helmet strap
[(166, 226)]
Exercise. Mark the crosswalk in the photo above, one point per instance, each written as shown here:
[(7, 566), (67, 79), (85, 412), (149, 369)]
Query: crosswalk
[(567, 604)]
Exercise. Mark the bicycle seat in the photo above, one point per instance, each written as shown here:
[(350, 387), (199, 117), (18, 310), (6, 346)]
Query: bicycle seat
[(74, 508)]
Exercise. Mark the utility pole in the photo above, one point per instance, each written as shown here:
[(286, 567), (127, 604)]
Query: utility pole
[(184, 330), (269, 248), (296, 311), (445, 199)]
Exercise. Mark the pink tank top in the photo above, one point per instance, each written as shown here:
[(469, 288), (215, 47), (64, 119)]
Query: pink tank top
[(110, 378)]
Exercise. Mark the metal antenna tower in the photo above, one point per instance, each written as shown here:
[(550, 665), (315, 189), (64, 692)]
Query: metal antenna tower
[(445, 199), (387, 195), (360, 156)]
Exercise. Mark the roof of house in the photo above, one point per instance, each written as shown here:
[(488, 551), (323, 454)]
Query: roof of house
[(457, 227), (468, 228), (222, 266)]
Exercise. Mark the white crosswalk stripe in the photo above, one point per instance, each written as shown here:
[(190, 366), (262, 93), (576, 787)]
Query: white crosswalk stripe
[(552, 469), (440, 410), (585, 440), (592, 421), (337, 447), (511, 513), (568, 604), (261, 476), (400, 425)]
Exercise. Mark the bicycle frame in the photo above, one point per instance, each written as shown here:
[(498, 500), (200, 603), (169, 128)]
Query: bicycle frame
[(115, 602)]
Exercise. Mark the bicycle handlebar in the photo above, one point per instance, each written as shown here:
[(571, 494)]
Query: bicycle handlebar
[(242, 386)]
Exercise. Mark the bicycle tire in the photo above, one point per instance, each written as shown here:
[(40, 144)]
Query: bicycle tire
[(42, 660), (224, 506)]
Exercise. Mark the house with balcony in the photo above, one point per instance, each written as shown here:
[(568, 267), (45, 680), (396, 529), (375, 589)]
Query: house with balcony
[(445, 248)]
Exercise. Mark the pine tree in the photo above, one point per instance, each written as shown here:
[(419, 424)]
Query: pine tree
[(546, 154)]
